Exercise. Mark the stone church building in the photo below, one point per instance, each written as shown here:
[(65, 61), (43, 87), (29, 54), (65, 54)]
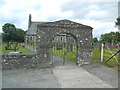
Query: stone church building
[(32, 31), (31, 34)]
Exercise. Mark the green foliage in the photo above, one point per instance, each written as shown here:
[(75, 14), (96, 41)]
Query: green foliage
[(20, 35), (112, 37), (11, 33), (95, 40)]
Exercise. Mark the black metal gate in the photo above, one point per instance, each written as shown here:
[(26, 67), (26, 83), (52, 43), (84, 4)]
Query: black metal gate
[(63, 49)]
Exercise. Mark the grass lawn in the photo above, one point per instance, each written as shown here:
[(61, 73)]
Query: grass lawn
[(21, 49), (64, 54), (96, 55)]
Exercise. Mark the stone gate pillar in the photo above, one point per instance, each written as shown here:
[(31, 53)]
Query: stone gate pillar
[(43, 50), (84, 55), (84, 51), (43, 54)]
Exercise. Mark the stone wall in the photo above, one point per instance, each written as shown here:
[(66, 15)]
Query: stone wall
[(20, 61)]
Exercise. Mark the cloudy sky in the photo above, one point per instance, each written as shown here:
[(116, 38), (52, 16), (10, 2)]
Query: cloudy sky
[(101, 15)]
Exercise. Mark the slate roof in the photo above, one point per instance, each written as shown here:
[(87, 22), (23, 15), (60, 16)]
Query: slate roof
[(32, 30)]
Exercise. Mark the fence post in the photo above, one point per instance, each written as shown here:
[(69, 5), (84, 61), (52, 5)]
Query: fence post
[(102, 50)]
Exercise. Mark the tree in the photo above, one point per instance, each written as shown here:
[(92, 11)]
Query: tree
[(112, 37), (11, 33), (20, 35), (95, 40), (8, 32), (118, 21)]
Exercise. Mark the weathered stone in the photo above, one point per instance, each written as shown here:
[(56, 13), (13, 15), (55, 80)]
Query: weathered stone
[(81, 33), (19, 61)]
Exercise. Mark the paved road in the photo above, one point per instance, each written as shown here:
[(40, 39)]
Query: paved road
[(59, 76), (29, 79), (105, 73), (72, 76)]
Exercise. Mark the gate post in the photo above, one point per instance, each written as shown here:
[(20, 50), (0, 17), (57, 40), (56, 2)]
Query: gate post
[(43, 54), (84, 54)]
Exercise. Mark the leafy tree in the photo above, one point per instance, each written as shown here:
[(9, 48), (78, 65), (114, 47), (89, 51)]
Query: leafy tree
[(11, 33), (112, 37), (95, 40), (20, 35)]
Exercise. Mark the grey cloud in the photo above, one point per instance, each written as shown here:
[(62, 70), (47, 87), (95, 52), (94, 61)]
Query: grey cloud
[(82, 9), (52, 19), (79, 9)]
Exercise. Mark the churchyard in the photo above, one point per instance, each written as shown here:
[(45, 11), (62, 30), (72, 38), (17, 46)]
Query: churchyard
[(70, 62), (69, 55)]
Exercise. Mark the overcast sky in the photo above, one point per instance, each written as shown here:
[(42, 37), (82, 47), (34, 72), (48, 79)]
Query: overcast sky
[(98, 14)]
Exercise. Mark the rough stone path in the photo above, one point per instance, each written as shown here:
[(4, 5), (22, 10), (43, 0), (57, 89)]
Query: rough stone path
[(59, 76)]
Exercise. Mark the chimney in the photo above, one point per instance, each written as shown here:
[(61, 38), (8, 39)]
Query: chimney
[(29, 22)]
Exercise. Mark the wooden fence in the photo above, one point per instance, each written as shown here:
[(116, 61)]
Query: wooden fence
[(107, 53)]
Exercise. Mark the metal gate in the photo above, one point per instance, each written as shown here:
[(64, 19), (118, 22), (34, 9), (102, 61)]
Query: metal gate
[(63, 49)]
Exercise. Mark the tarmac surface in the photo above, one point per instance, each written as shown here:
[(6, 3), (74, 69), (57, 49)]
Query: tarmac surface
[(59, 76), (105, 73)]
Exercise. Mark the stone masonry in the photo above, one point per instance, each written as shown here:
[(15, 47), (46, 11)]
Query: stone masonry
[(81, 33), (19, 61)]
